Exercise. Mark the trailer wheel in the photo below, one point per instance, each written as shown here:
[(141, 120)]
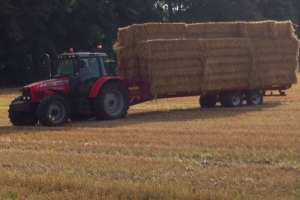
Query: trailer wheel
[(112, 102), (234, 99), (207, 101), (254, 97), (22, 118), (53, 111)]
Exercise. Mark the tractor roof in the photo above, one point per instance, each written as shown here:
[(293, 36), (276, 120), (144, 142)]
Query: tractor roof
[(81, 54)]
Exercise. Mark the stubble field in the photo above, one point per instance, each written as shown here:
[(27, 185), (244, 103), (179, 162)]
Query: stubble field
[(164, 149)]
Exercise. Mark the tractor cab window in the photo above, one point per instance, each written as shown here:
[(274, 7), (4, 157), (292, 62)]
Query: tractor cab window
[(89, 69), (89, 72), (65, 67)]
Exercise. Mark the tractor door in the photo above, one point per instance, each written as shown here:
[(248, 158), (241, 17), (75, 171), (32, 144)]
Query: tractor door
[(89, 71)]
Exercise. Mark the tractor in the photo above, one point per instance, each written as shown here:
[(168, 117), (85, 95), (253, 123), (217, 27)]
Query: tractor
[(81, 89)]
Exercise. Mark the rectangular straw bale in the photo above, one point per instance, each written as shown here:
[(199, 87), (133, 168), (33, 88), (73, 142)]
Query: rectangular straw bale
[(130, 35), (173, 45), (129, 51), (175, 54), (274, 58), (136, 34), (225, 43), (285, 29), (217, 85), (263, 80), (226, 76), (177, 66), (170, 84), (131, 72), (212, 30), (278, 45), (122, 36), (262, 29), (228, 68), (165, 31), (276, 67)]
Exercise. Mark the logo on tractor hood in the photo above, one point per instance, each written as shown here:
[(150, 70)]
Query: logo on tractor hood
[(54, 83)]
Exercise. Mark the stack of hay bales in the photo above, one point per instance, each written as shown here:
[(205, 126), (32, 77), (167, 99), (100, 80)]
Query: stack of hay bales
[(179, 57)]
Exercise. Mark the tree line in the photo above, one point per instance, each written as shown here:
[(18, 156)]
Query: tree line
[(30, 28)]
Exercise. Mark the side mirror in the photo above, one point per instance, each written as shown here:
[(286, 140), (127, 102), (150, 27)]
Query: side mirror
[(81, 64)]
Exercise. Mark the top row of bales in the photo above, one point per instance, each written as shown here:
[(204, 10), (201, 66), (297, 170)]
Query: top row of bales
[(142, 32)]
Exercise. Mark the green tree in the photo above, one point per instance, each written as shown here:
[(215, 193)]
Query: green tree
[(136, 11), (296, 5), (210, 10)]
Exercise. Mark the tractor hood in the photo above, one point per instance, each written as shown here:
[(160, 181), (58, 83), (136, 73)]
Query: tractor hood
[(51, 83), (39, 90)]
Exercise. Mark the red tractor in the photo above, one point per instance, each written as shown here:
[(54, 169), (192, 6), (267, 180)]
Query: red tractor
[(81, 89)]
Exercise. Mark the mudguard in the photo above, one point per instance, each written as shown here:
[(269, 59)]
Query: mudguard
[(96, 87)]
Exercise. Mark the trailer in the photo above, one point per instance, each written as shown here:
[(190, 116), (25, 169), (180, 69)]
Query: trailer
[(139, 92)]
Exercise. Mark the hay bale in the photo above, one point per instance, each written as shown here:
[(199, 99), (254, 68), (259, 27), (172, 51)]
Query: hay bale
[(142, 32), (165, 31), (263, 29), (285, 29), (212, 30)]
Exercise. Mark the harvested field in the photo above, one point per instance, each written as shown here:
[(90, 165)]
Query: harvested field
[(164, 149)]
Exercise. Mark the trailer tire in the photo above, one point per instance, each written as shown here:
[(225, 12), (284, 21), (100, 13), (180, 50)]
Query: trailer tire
[(53, 111), (254, 97), (207, 101), (234, 99), (112, 102), (22, 118)]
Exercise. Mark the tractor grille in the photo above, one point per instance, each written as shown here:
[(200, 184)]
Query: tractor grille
[(26, 94)]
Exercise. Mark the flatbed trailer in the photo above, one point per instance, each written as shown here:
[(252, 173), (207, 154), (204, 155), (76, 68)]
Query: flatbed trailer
[(139, 92)]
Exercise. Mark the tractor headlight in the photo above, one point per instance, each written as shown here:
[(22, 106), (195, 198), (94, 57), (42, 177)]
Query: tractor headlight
[(26, 94)]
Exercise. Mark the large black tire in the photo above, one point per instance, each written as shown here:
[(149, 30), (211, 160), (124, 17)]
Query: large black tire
[(254, 97), (22, 118), (53, 111), (234, 99), (207, 101), (112, 102)]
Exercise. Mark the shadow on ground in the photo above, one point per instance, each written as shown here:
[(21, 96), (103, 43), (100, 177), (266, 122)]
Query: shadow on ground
[(141, 116)]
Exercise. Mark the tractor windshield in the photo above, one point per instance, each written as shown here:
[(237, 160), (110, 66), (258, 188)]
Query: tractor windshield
[(65, 67)]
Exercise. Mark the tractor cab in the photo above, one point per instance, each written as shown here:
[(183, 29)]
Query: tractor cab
[(83, 69)]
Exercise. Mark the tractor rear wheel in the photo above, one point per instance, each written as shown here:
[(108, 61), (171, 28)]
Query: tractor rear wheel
[(112, 102), (22, 118), (53, 111)]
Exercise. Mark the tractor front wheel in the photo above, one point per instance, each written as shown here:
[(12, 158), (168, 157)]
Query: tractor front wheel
[(112, 102), (53, 111)]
